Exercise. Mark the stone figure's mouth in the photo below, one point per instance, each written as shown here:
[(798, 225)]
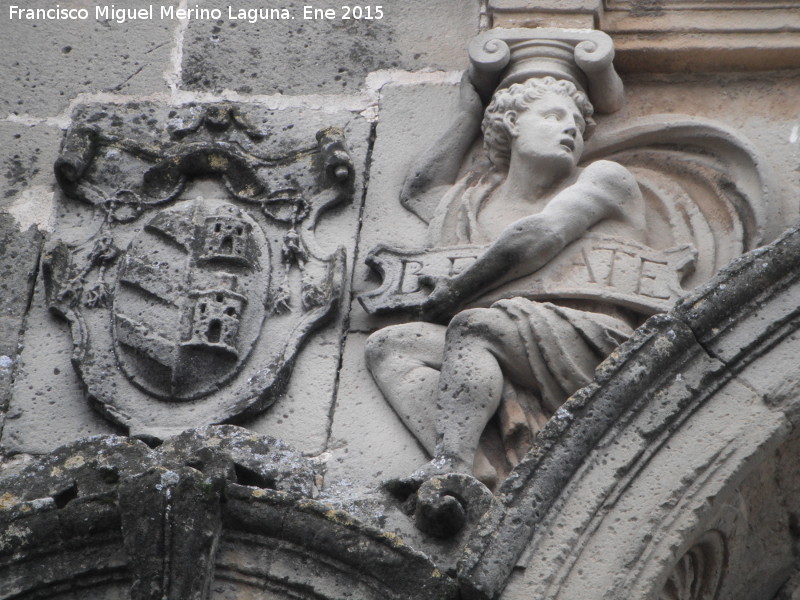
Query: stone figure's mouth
[(568, 143)]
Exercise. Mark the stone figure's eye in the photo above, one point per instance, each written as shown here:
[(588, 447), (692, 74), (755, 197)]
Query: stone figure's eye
[(551, 116)]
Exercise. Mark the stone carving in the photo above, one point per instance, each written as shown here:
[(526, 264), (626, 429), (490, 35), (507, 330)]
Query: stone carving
[(190, 311), (557, 509), (208, 339), (62, 526), (167, 501), (448, 504), (539, 260), (584, 57), (212, 507), (698, 573)]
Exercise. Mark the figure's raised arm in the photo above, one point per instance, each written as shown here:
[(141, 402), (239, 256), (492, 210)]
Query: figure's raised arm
[(437, 169), (603, 190)]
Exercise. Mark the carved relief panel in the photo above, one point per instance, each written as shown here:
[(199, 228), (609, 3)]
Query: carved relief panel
[(546, 247), (192, 262), (201, 251)]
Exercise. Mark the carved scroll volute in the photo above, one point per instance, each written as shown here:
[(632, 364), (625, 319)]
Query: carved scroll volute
[(698, 575), (501, 57)]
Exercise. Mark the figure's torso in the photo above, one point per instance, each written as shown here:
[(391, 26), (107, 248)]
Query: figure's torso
[(606, 268), (496, 211)]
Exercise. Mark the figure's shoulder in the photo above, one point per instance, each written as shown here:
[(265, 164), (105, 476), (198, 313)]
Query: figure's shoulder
[(606, 176), (606, 171)]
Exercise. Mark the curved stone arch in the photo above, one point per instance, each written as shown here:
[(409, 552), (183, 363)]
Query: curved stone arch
[(684, 431), (210, 511)]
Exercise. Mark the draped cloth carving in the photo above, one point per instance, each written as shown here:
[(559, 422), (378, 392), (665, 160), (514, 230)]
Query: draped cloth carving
[(706, 196), (549, 249)]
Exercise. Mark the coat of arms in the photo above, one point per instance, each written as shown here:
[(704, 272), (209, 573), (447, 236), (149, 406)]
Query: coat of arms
[(186, 309)]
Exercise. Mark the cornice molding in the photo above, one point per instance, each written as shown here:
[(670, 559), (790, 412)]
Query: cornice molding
[(674, 36)]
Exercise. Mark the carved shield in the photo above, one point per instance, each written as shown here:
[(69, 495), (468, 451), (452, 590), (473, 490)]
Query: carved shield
[(186, 310), (190, 299)]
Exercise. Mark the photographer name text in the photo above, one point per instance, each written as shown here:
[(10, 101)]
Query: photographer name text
[(111, 12)]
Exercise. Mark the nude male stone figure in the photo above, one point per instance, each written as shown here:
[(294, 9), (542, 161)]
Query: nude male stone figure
[(446, 382)]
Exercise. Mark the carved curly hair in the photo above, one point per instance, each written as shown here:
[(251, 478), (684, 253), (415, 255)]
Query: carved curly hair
[(518, 97)]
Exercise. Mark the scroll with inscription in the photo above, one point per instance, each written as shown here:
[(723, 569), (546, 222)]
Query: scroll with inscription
[(595, 267)]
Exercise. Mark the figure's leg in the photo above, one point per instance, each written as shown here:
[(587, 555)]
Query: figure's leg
[(404, 361), (481, 346)]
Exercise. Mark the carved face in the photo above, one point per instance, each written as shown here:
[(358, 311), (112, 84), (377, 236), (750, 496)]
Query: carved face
[(550, 130)]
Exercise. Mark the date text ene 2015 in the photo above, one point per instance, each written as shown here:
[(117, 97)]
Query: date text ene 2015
[(345, 13)]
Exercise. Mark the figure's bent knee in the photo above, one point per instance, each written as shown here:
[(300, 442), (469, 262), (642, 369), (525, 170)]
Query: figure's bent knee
[(482, 326), (378, 347), (472, 321), (397, 342), (399, 348)]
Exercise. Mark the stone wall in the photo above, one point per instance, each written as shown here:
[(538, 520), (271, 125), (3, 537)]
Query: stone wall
[(294, 68), (716, 83)]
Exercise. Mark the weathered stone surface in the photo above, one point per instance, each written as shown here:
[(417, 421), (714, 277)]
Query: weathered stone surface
[(310, 546), (768, 125), (165, 522), (681, 453), (262, 461), (741, 164), (171, 524), (303, 416), (567, 6), (38, 420), (447, 505), (695, 483), (96, 465), (769, 129), (672, 36), (288, 286), (725, 313), (560, 448), (681, 37), (728, 315), (369, 445), (19, 253), (166, 503), (19, 258), (67, 58), (411, 118), (691, 444), (26, 171), (540, 257), (574, 14), (335, 54)]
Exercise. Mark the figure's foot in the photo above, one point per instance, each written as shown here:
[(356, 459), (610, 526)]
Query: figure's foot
[(441, 465), (443, 496), (447, 504)]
